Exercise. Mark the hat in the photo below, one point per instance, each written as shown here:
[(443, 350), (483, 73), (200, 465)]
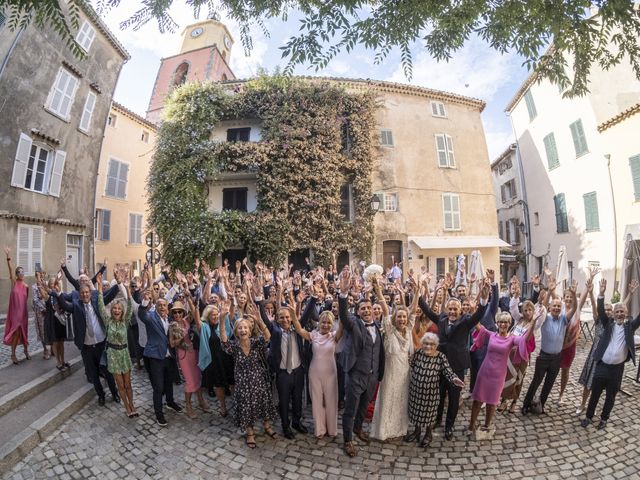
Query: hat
[(177, 305)]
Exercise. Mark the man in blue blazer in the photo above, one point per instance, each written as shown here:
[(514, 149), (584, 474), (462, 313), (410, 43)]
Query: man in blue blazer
[(90, 332), (161, 361)]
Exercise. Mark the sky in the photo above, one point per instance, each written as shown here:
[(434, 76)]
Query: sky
[(475, 70)]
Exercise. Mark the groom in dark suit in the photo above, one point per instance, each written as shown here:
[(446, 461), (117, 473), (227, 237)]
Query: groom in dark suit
[(363, 362)]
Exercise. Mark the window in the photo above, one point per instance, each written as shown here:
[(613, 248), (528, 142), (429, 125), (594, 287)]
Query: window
[(135, 228), (390, 202), (531, 106), (634, 165), (444, 147), (451, 211), (437, 109), (552, 152), (103, 225), (62, 93), (562, 224), (386, 138), (513, 227), (117, 179), (29, 251), (87, 112), (507, 232), (346, 202), (591, 218), (238, 134), (38, 168), (508, 190), (234, 199), (85, 36), (440, 266), (180, 75), (536, 218), (111, 121), (145, 136), (500, 233), (579, 139)]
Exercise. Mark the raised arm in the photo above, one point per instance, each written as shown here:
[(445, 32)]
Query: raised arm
[(430, 314), (633, 286), (495, 294), (345, 318), (574, 304), (604, 319), (67, 274), (100, 272), (296, 323), (7, 251), (380, 297), (224, 312)]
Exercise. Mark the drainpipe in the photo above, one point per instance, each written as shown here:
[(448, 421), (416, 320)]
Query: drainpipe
[(525, 204), (8, 55), (615, 223)]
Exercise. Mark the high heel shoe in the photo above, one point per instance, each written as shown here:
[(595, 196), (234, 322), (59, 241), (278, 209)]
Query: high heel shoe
[(412, 436)]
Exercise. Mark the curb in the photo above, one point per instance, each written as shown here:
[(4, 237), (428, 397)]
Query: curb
[(22, 444), (36, 386)]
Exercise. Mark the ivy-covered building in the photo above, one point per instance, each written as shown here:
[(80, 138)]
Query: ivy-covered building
[(293, 166)]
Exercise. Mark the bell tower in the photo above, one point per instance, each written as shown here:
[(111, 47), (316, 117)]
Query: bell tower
[(204, 55)]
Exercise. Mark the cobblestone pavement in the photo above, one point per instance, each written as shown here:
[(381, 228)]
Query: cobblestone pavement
[(34, 345), (102, 443)]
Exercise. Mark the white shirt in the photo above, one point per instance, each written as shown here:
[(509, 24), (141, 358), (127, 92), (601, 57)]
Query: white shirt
[(617, 350), (92, 318), (284, 344), (371, 330)]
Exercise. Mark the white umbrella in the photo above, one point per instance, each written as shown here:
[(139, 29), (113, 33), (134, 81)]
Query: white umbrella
[(476, 266), (630, 271), (562, 269)]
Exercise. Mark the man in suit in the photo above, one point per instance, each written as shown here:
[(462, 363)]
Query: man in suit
[(615, 348), (363, 362), (90, 332), (161, 361), (287, 360), (453, 330)]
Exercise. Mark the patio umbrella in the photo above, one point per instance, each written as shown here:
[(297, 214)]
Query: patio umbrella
[(562, 268), (630, 271), (476, 266)]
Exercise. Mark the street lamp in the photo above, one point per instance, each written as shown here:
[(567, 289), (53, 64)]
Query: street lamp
[(375, 203), (521, 226)]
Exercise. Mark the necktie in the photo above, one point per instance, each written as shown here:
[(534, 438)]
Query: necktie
[(87, 314), (289, 363)]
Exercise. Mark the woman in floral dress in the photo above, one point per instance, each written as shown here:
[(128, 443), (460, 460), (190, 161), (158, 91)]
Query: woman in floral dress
[(252, 395), (118, 360)]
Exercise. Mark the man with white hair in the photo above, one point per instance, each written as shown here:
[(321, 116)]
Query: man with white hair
[(615, 348)]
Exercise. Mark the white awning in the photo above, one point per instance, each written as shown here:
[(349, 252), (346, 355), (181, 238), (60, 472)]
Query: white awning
[(456, 242)]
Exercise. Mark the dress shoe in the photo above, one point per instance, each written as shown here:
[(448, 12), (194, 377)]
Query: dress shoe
[(602, 425), (116, 398), (362, 436), (524, 410), (350, 449), (161, 420), (448, 433), (412, 436), (585, 422), (101, 401), (175, 407), (300, 427), (288, 434)]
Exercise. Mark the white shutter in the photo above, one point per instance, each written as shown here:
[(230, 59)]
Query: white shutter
[(57, 173), (434, 109), (21, 161), (122, 181), (441, 110), (23, 256), (441, 149), (452, 160), (54, 90), (87, 112), (455, 211), (36, 246)]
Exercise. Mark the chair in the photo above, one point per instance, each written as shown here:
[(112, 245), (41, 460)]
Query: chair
[(586, 328)]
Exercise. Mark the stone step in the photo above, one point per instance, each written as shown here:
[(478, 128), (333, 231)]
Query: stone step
[(30, 422), (20, 383)]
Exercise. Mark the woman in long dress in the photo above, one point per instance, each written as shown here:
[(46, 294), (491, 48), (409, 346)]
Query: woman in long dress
[(391, 416), (427, 366), (16, 325)]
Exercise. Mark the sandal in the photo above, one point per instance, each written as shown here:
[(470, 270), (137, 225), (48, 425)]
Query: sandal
[(350, 449), (27, 356), (223, 412), (250, 440), (60, 367), (502, 407), (271, 432), (15, 360), (67, 364), (205, 408)]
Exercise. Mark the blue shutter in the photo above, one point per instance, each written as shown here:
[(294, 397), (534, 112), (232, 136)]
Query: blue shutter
[(579, 138), (592, 220), (531, 106), (634, 164)]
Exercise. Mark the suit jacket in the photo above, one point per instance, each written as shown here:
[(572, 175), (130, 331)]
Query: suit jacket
[(76, 283), (275, 353), (157, 340), (70, 302), (607, 324), (454, 344), (355, 332)]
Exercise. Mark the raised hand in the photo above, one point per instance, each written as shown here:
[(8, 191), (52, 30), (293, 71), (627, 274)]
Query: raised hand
[(593, 271), (99, 282), (633, 286), (603, 287), (491, 275), (7, 251), (574, 286), (536, 280), (344, 280), (63, 261)]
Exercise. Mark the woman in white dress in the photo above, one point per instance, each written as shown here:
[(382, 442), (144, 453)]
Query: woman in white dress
[(391, 414)]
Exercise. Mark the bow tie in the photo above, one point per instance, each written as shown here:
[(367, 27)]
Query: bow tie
[(370, 325)]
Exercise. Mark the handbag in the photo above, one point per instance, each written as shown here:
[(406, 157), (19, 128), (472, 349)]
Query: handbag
[(67, 322), (103, 357)]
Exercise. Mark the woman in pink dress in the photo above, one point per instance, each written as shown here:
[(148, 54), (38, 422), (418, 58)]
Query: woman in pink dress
[(323, 374), (492, 373), (16, 326), (186, 341)]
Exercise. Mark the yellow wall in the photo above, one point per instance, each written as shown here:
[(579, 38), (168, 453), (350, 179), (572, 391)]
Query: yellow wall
[(213, 33), (123, 142)]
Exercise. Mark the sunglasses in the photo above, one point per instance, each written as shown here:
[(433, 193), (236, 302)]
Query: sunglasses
[(179, 312)]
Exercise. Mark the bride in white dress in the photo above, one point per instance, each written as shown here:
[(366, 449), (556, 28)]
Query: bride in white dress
[(391, 414)]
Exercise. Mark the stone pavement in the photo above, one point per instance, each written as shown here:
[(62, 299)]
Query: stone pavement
[(103, 443)]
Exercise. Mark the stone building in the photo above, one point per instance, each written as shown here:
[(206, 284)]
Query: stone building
[(432, 178), (54, 108), (204, 55), (121, 199), (508, 186)]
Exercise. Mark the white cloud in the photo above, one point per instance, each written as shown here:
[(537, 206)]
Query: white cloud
[(248, 66), (475, 70), (497, 140)]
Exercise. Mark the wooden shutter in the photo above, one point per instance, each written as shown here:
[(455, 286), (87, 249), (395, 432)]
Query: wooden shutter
[(21, 161), (105, 227), (112, 178), (592, 220), (634, 165), (561, 213), (87, 112), (123, 174), (579, 139), (57, 172), (455, 214), (441, 151), (36, 247), (531, 106), (441, 110), (503, 194), (552, 151), (512, 186), (23, 257), (507, 225), (434, 109), (446, 210), (451, 158), (500, 228)]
